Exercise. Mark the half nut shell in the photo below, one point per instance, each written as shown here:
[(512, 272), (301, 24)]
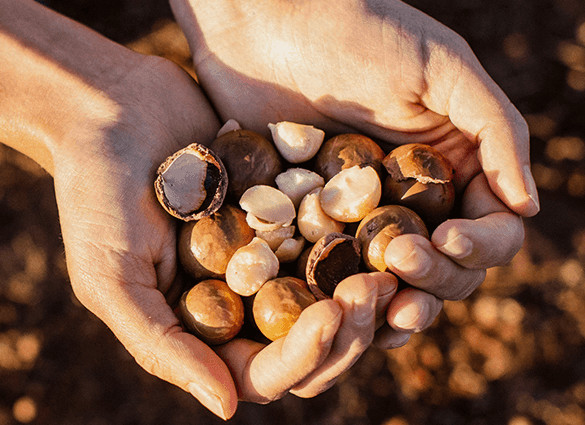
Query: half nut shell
[(333, 258), (192, 183)]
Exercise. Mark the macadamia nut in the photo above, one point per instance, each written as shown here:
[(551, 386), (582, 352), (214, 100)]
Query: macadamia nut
[(269, 206), (297, 182), (296, 142), (312, 221), (351, 194), (290, 249), (250, 267), (275, 237), (230, 125)]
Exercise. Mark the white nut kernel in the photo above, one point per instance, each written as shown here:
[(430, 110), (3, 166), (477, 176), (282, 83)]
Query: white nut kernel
[(250, 267), (290, 249), (275, 237), (296, 142), (351, 194), (230, 125), (312, 221), (297, 182), (267, 207)]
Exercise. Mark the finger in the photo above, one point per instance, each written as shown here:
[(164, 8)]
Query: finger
[(491, 235), (388, 338), (418, 262), (141, 319), (479, 108), (387, 285), (266, 373), (357, 297), (413, 310)]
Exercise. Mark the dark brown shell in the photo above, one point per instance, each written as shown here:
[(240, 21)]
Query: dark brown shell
[(214, 185), (433, 202), (333, 258), (382, 225), (250, 159), (212, 311), (345, 151), (418, 161)]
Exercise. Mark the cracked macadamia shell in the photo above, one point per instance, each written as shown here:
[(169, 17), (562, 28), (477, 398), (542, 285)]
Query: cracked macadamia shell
[(419, 177), (345, 151), (382, 225), (191, 183), (250, 159), (206, 246), (212, 311), (333, 258), (278, 305)]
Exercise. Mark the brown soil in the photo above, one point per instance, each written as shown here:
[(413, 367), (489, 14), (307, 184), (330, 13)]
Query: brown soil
[(512, 354)]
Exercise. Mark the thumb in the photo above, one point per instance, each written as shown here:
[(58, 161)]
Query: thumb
[(138, 314), (482, 112)]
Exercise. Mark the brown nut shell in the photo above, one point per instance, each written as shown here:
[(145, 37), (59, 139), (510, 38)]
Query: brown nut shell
[(278, 305), (433, 202), (418, 161), (206, 246), (382, 225), (192, 183), (212, 311), (250, 159), (345, 151), (333, 258)]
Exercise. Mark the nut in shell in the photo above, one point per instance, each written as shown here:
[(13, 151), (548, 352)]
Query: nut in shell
[(333, 258), (192, 183), (278, 305), (382, 225), (250, 159), (206, 246), (419, 177), (250, 267), (345, 151), (212, 311), (351, 194)]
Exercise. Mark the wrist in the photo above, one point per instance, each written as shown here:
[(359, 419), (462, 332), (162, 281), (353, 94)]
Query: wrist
[(55, 76)]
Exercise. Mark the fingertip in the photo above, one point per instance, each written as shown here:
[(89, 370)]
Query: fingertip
[(406, 254), (413, 310)]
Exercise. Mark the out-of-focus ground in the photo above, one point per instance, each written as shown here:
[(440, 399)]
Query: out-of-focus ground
[(512, 354)]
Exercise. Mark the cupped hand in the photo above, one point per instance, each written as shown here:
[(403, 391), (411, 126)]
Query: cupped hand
[(327, 339), (121, 254), (385, 69)]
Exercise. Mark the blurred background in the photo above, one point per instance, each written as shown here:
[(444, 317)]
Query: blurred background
[(512, 354)]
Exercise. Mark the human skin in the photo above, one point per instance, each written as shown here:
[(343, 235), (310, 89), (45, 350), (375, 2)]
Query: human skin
[(100, 119), (384, 69)]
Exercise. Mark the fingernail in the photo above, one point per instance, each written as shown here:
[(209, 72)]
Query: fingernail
[(457, 247), (531, 187), (412, 316), (328, 331), (399, 340), (363, 312), (209, 399), (411, 259)]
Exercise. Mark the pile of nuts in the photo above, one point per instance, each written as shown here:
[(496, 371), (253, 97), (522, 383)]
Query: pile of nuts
[(272, 227)]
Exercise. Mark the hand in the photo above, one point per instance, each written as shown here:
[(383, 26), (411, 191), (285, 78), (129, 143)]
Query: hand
[(387, 70), (327, 339)]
